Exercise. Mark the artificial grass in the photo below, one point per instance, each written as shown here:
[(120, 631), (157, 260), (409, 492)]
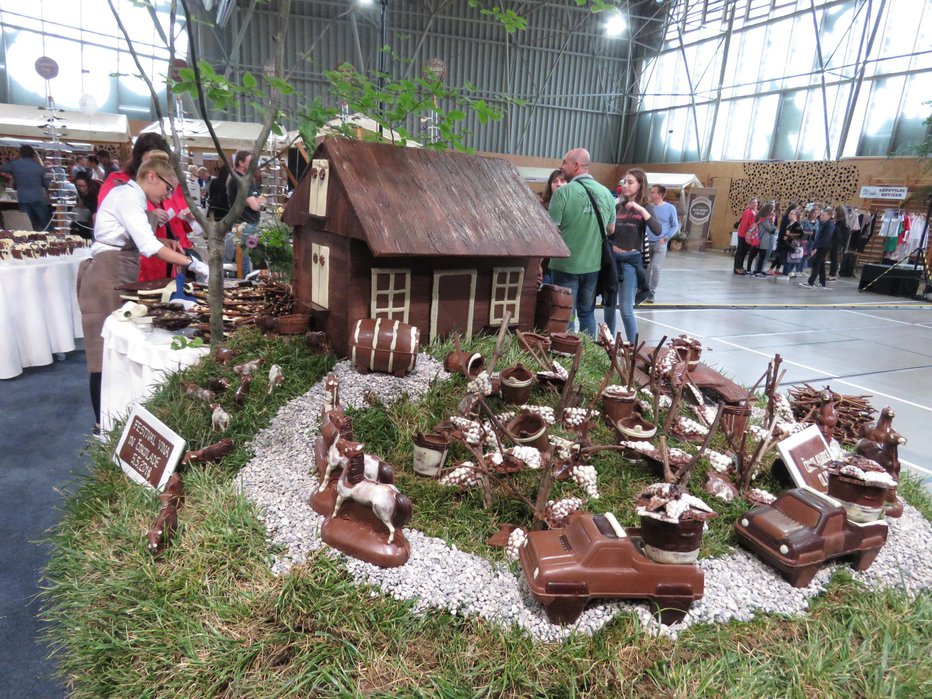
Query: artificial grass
[(209, 619)]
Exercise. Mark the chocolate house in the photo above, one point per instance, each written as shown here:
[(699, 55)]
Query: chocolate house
[(444, 241)]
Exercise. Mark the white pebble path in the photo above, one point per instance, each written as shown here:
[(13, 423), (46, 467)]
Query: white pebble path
[(280, 478)]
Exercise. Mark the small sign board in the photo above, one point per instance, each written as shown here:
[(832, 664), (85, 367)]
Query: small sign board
[(892, 193), (148, 450), (805, 455), (46, 67)]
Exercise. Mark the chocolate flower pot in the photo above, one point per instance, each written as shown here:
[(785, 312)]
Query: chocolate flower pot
[(864, 502), (470, 365), (529, 429), (430, 453), (516, 384), (564, 344), (617, 405), (671, 542), (735, 420)]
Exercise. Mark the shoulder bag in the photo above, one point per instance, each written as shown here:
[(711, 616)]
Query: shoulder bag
[(752, 237), (608, 274)]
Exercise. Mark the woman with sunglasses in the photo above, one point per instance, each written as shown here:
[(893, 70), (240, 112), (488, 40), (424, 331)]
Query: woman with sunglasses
[(122, 232), (171, 218)]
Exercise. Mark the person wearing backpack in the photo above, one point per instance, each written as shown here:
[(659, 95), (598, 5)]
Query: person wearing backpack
[(757, 239)]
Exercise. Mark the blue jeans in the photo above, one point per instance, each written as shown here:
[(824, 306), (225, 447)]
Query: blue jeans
[(582, 286), (629, 265), (39, 213), (229, 247)]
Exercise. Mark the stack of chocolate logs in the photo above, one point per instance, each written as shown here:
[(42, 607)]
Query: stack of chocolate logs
[(853, 411), (246, 304)]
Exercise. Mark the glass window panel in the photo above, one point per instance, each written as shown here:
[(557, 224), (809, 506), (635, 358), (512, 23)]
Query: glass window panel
[(676, 131), (641, 138), (883, 106), (658, 129), (839, 39), (789, 125), (739, 123), (765, 114), (911, 128)]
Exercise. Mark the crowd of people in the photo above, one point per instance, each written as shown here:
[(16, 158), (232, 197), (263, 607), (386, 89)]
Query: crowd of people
[(638, 226), (809, 236)]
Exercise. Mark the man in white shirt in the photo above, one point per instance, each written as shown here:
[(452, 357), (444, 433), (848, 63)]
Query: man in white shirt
[(666, 214)]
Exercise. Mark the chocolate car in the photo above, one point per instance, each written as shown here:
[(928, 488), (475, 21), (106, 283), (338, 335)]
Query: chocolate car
[(595, 557), (803, 529)]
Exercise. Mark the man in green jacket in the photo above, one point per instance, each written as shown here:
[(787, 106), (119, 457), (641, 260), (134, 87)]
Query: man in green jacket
[(571, 209)]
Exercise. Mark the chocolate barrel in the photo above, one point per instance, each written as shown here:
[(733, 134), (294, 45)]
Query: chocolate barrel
[(554, 309), (380, 344)]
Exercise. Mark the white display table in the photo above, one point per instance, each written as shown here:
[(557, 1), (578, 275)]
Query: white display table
[(39, 314), (137, 359)]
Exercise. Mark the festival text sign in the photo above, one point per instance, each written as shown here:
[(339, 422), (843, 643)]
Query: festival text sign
[(148, 451), (805, 455)]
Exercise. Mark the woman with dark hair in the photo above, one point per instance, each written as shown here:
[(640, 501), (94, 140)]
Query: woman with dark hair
[(784, 247), (144, 144), (554, 182), (765, 231), (122, 233), (218, 203), (630, 247), (86, 210)]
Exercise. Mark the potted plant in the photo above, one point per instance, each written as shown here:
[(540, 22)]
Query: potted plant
[(271, 248), (678, 241), (672, 522)]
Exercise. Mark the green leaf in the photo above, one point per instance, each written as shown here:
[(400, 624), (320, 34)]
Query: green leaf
[(249, 80), (456, 115)]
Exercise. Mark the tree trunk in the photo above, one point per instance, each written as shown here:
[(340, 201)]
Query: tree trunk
[(215, 284)]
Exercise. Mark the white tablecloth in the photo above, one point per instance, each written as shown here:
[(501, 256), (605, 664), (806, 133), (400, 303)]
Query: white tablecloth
[(137, 359), (39, 314)]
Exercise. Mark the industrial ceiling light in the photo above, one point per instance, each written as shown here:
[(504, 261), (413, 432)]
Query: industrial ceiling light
[(615, 25)]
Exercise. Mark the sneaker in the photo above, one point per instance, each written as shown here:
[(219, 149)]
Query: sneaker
[(649, 299), (831, 279), (806, 285), (792, 275), (760, 275), (740, 272)]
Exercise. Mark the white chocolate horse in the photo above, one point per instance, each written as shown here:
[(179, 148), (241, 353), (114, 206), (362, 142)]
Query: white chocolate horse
[(389, 504), (338, 455)]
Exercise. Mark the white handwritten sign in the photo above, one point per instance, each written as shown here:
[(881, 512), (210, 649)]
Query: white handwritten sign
[(892, 193), (148, 450)]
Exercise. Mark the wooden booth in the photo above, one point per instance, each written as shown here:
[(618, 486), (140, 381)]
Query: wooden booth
[(444, 241)]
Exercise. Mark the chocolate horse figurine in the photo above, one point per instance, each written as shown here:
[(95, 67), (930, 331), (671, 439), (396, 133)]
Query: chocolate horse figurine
[(162, 530), (388, 503)]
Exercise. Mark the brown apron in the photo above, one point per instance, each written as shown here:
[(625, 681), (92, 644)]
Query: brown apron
[(98, 297)]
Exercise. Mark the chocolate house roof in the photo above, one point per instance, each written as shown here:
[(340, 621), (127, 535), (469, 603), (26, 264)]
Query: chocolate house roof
[(412, 201)]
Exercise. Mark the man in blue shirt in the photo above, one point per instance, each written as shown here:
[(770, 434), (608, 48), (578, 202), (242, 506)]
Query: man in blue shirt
[(31, 182), (664, 212)]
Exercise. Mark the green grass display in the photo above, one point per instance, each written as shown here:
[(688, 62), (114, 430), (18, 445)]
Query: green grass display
[(208, 618)]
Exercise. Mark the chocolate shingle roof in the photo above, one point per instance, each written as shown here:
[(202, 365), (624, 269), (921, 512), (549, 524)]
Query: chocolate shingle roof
[(412, 201)]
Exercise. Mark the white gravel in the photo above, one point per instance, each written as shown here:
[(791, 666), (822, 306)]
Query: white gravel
[(281, 477)]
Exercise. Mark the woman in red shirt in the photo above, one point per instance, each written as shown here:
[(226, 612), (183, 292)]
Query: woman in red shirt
[(747, 220), (170, 214)]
